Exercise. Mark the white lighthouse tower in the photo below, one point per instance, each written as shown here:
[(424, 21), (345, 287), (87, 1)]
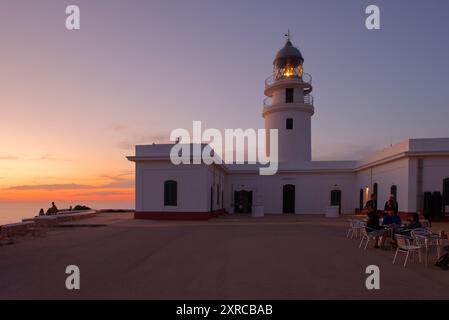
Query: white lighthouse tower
[(289, 106)]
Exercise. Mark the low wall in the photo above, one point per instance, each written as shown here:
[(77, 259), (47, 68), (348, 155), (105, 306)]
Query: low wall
[(16, 229), (47, 221), (24, 227)]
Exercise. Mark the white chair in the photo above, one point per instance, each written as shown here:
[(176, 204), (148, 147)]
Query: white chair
[(423, 239), (368, 236), (405, 246), (355, 228)]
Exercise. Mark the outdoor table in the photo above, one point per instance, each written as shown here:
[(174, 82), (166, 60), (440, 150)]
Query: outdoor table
[(432, 240)]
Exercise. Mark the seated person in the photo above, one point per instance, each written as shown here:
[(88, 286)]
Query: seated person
[(53, 210), (392, 218), (414, 224), (373, 226)]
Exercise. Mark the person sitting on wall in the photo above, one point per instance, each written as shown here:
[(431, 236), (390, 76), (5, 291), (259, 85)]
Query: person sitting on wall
[(53, 210), (373, 226), (41, 212)]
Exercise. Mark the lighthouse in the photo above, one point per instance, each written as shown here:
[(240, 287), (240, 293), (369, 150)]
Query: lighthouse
[(288, 106)]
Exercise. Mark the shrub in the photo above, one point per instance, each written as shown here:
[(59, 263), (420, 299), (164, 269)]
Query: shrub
[(79, 208)]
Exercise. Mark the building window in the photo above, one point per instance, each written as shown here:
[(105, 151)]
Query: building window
[(394, 191), (170, 193), (289, 124), (289, 95)]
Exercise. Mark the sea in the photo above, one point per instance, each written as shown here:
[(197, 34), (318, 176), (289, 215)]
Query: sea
[(14, 211)]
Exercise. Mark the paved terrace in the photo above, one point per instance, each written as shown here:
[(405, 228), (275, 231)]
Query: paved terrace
[(226, 258)]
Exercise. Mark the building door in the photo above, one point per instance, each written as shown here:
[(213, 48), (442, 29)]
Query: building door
[(243, 201), (288, 206), (336, 199)]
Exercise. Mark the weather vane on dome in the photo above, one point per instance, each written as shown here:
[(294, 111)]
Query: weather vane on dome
[(288, 35)]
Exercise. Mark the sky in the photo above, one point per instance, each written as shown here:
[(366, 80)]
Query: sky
[(74, 103)]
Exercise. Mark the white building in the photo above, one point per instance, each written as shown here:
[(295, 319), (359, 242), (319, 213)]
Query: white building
[(416, 170)]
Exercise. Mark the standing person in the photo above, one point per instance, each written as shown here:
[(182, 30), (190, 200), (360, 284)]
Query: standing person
[(392, 205), (372, 203)]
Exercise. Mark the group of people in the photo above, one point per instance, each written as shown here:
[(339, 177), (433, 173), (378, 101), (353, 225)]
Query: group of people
[(391, 223), (53, 210)]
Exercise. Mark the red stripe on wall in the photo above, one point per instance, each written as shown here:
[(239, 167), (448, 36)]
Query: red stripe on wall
[(175, 215)]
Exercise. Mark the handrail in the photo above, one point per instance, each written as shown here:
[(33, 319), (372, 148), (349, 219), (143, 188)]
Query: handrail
[(305, 78), (308, 99)]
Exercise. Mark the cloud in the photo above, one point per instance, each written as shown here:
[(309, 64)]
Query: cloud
[(52, 187), (129, 137), (101, 194), (128, 143), (49, 157), (8, 157), (123, 179), (341, 151)]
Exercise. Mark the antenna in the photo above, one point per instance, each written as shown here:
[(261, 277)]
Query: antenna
[(288, 35)]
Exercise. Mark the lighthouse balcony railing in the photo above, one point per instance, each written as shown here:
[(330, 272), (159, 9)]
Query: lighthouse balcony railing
[(304, 78), (307, 99)]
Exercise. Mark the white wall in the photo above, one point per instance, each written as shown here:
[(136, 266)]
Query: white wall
[(215, 178), (436, 169), (313, 190), (193, 191), (385, 175)]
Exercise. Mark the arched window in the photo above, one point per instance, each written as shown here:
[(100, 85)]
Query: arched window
[(394, 191), (170, 193), (375, 191), (361, 202)]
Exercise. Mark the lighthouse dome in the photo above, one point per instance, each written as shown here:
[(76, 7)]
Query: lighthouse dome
[(288, 56)]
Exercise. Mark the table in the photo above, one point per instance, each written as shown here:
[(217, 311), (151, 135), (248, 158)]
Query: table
[(431, 240)]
